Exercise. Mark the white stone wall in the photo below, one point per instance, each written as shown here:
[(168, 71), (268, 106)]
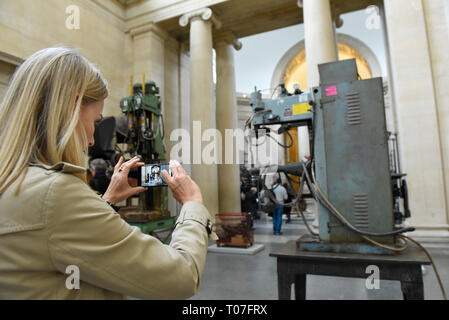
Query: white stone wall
[(28, 26), (437, 24), (6, 71), (419, 65)]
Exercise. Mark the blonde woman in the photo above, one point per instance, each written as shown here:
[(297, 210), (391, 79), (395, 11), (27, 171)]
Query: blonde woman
[(52, 225)]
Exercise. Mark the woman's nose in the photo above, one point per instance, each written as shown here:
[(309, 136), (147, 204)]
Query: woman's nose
[(91, 142)]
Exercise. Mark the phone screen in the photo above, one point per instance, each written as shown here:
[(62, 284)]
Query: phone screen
[(151, 175)]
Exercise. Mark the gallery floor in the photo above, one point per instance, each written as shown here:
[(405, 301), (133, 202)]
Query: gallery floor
[(230, 276)]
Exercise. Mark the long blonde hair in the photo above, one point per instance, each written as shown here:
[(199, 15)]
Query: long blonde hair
[(41, 109)]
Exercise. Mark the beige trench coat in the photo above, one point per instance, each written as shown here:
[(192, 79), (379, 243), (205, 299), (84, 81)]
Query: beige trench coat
[(57, 221)]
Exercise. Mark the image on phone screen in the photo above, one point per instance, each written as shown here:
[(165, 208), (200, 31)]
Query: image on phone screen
[(151, 175)]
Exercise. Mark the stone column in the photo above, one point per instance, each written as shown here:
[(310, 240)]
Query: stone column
[(170, 102), (202, 108), (417, 38), (227, 118), (319, 37), (437, 22), (320, 48), (149, 55)]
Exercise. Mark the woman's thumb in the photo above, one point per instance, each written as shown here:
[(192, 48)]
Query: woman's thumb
[(137, 190)]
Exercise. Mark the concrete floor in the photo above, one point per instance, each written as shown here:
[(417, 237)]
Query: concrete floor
[(252, 277)]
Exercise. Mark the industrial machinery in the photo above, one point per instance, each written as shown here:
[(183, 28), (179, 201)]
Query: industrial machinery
[(399, 183), (266, 204), (349, 171), (142, 131)]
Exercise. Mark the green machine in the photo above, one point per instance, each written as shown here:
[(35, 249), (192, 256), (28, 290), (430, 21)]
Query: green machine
[(143, 136), (349, 174)]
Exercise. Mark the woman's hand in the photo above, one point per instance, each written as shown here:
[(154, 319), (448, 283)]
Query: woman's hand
[(183, 187), (119, 188)]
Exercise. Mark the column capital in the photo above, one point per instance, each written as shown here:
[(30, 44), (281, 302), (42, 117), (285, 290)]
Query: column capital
[(204, 13), (227, 38), (149, 27), (336, 18)]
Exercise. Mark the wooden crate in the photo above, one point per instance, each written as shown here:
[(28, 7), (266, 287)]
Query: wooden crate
[(234, 229)]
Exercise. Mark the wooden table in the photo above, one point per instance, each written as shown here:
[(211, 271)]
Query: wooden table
[(294, 265)]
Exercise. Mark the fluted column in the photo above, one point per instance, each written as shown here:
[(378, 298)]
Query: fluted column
[(228, 174), (202, 108)]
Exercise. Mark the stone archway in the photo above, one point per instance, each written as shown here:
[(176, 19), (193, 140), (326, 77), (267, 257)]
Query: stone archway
[(292, 66)]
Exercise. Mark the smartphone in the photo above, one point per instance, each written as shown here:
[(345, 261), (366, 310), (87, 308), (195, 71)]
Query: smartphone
[(151, 175)]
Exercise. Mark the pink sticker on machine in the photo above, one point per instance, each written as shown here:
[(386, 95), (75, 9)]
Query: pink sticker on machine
[(331, 91)]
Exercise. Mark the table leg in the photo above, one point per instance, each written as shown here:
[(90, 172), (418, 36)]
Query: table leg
[(412, 284), (285, 280), (412, 290), (300, 286)]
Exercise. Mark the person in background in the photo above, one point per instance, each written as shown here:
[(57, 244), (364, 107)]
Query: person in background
[(242, 196), (288, 210), (248, 200), (281, 195), (100, 181), (251, 197)]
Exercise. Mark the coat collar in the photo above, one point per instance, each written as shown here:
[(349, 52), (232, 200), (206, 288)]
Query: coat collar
[(64, 167)]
